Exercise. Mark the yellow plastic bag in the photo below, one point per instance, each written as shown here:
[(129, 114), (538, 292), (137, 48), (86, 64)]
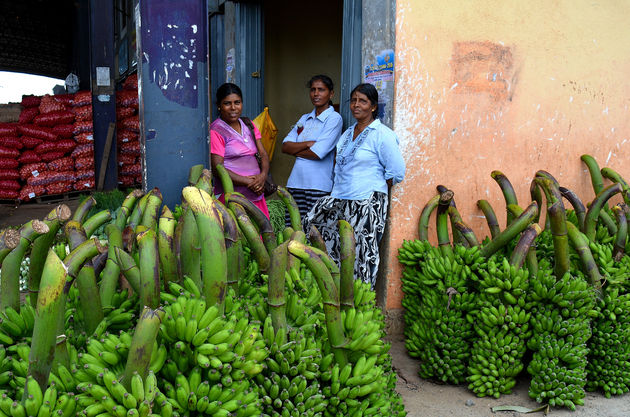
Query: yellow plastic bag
[(268, 131)]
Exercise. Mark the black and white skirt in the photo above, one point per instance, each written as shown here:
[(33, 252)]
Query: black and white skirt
[(305, 200), (367, 217)]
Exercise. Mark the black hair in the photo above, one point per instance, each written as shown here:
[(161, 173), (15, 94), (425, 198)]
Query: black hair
[(325, 79), (225, 90), (371, 93)]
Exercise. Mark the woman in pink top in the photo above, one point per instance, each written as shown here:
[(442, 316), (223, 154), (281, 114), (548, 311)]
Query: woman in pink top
[(236, 146)]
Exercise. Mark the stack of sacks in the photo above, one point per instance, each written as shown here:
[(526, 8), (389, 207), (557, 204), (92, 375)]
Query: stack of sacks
[(83, 154), (127, 136), (10, 147)]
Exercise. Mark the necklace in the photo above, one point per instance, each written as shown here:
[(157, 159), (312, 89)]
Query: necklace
[(343, 158)]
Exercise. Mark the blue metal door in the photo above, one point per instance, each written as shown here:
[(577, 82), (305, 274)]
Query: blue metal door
[(250, 56)]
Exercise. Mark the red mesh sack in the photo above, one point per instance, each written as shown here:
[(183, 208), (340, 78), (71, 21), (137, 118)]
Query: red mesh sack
[(84, 174), (126, 136), (84, 163), (126, 159), (61, 164), (8, 129), (82, 126), (82, 113), (64, 131), (8, 194), (50, 105), (9, 153), (132, 148), (40, 178), (40, 132), (9, 185), (9, 174), (29, 157), (29, 192), (11, 142), (86, 150), (127, 98), (30, 142), (54, 118), (66, 145), (83, 138), (131, 82), (131, 123), (29, 170), (28, 114), (127, 180), (65, 99), (6, 163), (31, 101), (46, 147), (60, 187), (51, 156), (82, 98), (86, 184), (123, 112), (134, 169)]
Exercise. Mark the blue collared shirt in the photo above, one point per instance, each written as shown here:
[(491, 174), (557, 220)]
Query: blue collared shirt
[(324, 129), (365, 164)]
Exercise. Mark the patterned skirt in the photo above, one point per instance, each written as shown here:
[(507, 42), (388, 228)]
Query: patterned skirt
[(305, 200), (367, 217)]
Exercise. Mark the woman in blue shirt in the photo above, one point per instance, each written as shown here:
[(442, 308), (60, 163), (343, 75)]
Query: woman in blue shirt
[(368, 163), (312, 141)]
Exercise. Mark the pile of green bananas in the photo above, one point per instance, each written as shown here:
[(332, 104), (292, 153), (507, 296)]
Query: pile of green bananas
[(609, 358), (16, 327), (51, 402), (561, 318), (437, 302), (502, 327)]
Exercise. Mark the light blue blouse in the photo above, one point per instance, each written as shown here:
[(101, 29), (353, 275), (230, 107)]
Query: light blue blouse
[(364, 165), (324, 129)]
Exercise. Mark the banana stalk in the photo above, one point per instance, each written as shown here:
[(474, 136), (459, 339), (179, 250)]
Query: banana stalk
[(524, 244), (581, 246), (294, 262), (578, 206), (508, 191), (204, 182), (233, 244), (10, 283), (152, 209), (139, 357), (454, 217), (287, 232), (558, 223), (96, 221), (138, 211), (127, 207), (517, 226), (530, 259), (316, 239), (89, 298), (41, 245), (49, 311), (165, 236), (83, 209), (466, 232), (614, 176), (98, 262), (253, 239), (258, 217), (596, 176), (459, 228), (335, 272), (347, 256), (213, 253), (593, 213), (607, 221), (186, 245), (292, 208), (109, 276), (129, 268), (442, 223), (544, 174), (149, 269), (536, 195), (224, 177), (9, 239), (276, 299), (622, 232), (491, 217), (81, 254), (194, 174), (330, 298), (423, 223), (75, 235)]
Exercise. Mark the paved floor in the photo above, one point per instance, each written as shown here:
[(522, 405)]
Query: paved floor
[(11, 215)]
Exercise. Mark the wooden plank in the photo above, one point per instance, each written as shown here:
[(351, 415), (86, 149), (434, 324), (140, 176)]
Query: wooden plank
[(105, 159)]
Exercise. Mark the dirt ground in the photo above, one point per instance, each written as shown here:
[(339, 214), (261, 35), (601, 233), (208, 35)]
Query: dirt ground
[(11, 215), (423, 398)]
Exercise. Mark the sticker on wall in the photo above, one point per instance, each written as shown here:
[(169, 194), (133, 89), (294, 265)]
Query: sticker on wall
[(382, 70)]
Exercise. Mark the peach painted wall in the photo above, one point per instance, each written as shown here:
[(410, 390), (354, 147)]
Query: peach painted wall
[(513, 86)]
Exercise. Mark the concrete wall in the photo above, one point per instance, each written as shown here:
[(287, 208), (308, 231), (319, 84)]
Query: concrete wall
[(510, 86), (301, 40)]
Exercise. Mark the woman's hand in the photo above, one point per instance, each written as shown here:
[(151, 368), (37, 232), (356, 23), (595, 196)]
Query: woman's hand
[(257, 183)]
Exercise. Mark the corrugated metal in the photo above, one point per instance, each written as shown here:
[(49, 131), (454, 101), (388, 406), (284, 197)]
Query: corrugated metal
[(217, 57), (250, 56), (351, 66)]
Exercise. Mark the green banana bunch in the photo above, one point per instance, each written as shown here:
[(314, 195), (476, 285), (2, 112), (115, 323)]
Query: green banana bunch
[(16, 326), (38, 403), (560, 320)]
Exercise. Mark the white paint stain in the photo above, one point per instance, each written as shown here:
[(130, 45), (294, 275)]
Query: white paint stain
[(609, 155), (605, 111), (571, 99), (194, 28)]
